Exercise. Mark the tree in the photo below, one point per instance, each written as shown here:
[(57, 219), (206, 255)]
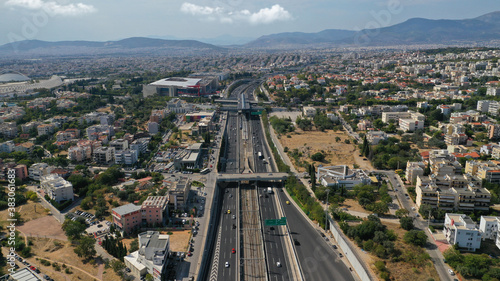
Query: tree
[(122, 194), (73, 229), (86, 248), (406, 223), (148, 277), (402, 213), (304, 124), (117, 265), (318, 156), (415, 237)]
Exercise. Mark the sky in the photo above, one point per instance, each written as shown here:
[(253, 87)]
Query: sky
[(104, 20)]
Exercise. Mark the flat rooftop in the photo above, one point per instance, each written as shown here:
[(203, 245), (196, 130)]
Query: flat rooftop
[(177, 82)]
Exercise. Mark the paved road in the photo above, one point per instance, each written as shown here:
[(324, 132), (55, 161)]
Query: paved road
[(318, 260), (407, 203)]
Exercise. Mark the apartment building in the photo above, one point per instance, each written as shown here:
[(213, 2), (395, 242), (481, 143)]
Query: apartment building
[(153, 128), (493, 131), (94, 132), (179, 195), (8, 129), (374, 137), (408, 121), (154, 210), (127, 218), (488, 226), (7, 146), (483, 106), (103, 155), (68, 135), (119, 144), (141, 145), (462, 194), (413, 170), (126, 157), (152, 256), (57, 188), (38, 170), (21, 171), (45, 129), (461, 230), (484, 170)]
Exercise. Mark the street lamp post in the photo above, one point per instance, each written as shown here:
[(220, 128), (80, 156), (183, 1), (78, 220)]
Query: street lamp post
[(326, 210)]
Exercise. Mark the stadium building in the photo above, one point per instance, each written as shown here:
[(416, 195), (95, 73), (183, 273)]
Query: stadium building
[(181, 86)]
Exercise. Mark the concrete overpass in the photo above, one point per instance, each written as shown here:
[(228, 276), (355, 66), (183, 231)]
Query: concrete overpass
[(252, 177)]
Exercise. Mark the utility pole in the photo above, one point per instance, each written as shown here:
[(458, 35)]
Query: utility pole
[(326, 210)]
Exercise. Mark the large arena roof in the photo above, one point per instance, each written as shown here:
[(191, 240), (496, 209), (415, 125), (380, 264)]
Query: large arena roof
[(177, 82), (13, 77)]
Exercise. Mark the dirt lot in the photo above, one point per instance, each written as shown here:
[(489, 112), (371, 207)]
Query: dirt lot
[(337, 153), (46, 227), (353, 205), (62, 252), (27, 212), (179, 240)]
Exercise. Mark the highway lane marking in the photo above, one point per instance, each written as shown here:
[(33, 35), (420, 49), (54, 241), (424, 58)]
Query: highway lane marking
[(215, 264)]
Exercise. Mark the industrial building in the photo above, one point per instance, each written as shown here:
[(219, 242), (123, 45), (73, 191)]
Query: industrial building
[(341, 176)]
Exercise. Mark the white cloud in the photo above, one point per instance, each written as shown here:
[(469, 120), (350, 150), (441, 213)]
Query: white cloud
[(52, 7), (263, 16), (269, 15)]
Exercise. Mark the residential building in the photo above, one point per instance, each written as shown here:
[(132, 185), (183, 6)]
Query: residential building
[(178, 196), (103, 155), (153, 128), (21, 171), (25, 147), (68, 134), (461, 230), (483, 106), (127, 218), (8, 129), (126, 157), (57, 188), (7, 146), (491, 91), (484, 170), (309, 111), (38, 170), (493, 131), (413, 170), (95, 131), (119, 144), (488, 226), (140, 145), (152, 256), (45, 129), (154, 210), (410, 125), (458, 193), (341, 176)]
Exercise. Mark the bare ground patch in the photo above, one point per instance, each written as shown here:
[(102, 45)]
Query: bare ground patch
[(44, 227)]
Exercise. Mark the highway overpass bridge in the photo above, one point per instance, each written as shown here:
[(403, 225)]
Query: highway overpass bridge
[(252, 177)]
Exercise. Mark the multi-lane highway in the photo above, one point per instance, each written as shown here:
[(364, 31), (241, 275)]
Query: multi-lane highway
[(245, 248)]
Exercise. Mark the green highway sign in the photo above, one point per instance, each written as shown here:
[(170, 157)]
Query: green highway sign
[(281, 221), (256, 112)]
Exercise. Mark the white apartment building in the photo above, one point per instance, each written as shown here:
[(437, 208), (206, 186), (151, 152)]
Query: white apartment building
[(119, 144), (461, 230), (410, 125), (127, 157), (57, 188), (488, 226), (141, 145), (483, 106), (38, 170), (491, 91), (151, 257), (413, 170)]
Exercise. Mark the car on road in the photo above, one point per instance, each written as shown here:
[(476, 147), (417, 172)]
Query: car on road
[(287, 202), (296, 242), (334, 246), (451, 272), (340, 255), (234, 226), (278, 264), (234, 217), (233, 251), (227, 264), (189, 254), (228, 211)]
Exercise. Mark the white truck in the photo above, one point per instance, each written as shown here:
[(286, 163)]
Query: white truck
[(269, 190)]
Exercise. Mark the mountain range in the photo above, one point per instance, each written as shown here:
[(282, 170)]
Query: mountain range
[(482, 30)]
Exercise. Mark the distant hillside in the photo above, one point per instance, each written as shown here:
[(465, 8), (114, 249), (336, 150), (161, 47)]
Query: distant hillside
[(134, 44), (483, 29)]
